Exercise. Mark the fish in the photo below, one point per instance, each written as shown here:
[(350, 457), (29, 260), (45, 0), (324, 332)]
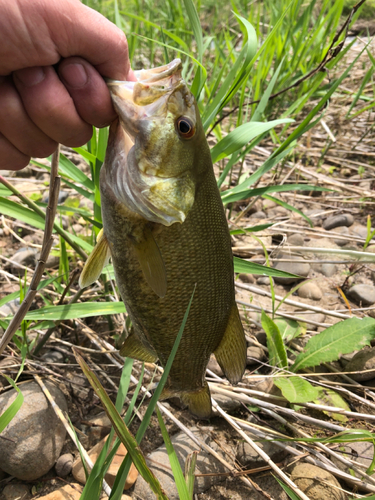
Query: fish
[(164, 227)]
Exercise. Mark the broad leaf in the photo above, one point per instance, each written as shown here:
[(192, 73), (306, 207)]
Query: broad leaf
[(274, 342), (289, 328), (329, 397), (297, 389)]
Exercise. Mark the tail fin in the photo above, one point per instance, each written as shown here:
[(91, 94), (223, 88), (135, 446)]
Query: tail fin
[(198, 401)]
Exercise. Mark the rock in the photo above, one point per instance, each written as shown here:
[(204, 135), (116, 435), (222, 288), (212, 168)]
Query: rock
[(310, 290), (53, 357), (64, 465), (16, 492), (337, 221), (370, 249), (266, 204), (63, 195), (316, 317), (264, 280), (258, 215), (250, 458), (359, 230), (52, 261), (297, 266), (227, 403), (316, 216), (363, 360), (35, 435), (99, 428), (214, 366), (295, 240), (322, 243), (79, 473), (362, 294), (342, 231), (23, 257), (77, 228), (69, 492), (329, 269), (160, 466), (254, 354), (246, 278), (316, 482), (10, 308), (359, 451)]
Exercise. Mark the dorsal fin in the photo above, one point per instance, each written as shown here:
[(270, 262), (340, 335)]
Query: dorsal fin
[(152, 264), (97, 260)]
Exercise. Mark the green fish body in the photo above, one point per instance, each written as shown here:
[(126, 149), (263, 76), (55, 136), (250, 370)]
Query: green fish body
[(165, 229)]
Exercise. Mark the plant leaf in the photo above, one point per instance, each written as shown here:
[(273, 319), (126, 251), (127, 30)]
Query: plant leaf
[(329, 397), (244, 266), (342, 338), (289, 328), (297, 389), (274, 342), (7, 416)]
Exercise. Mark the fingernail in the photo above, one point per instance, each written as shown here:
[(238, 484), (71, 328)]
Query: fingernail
[(31, 76), (74, 75)]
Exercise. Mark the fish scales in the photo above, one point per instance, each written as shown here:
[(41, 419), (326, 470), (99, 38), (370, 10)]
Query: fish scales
[(158, 264)]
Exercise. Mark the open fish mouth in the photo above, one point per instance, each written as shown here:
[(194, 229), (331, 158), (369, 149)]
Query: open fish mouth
[(144, 172)]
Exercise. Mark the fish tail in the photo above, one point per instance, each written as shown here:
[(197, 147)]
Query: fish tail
[(198, 401)]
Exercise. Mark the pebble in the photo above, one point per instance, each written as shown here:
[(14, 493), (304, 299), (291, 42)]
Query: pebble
[(160, 466), (327, 269), (310, 290), (264, 280), (359, 451), (16, 492), (53, 357), (342, 231), (251, 459), (246, 278), (315, 215), (254, 354), (64, 465), (266, 204), (52, 261), (227, 403), (258, 215), (370, 249), (363, 360), (359, 230), (63, 195), (362, 294), (69, 492), (337, 221), (10, 308), (317, 483), (23, 257), (214, 366), (79, 473), (296, 240), (35, 436), (77, 228), (99, 428), (316, 317), (297, 266)]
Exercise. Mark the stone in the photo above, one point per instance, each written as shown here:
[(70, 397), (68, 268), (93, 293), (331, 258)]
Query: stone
[(316, 317), (370, 249), (99, 428), (68, 492), (297, 266), (258, 215), (315, 215), (250, 458), (337, 221), (63, 195), (23, 257), (266, 204), (328, 269), (158, 462), (246, 278), (53, 357), (295, 240), (363, 360), (214, 366), (342, 231), (16, 492), (77, 228), (264, 280), (317, 483), (358, 451), (35, 436), (254, 354), (79, 473), (226, 403), (52, 261), (362, 294), (10, 308), (358, 230), (310, 290), (64, 465)]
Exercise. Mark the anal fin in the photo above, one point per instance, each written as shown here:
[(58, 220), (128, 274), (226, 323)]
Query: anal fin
[(198, 401), (97, 260), (152, 264), (136, 349), (231, 352)]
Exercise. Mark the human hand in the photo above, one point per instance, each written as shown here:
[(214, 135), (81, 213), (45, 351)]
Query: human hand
[(39, 107)]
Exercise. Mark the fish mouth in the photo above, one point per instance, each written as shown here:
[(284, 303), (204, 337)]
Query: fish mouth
[(136, 178)]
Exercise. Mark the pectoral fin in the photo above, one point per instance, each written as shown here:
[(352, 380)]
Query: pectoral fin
[(97, 260), (134, 348), (198, 401), (152, 264), (231, 353)]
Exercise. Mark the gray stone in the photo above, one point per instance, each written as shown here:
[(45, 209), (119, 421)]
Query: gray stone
[(258, 215), (159, 464), (363, 360), (359, 230), (53, 357), (77, 228), (23, 257), (310, 290), (254, 354), (297, 266), (52, 261), (317, 483), (246, 278), (316, 216), (362, 294), (264, 280), (316, 317), (337, 221), (266, 204), (10, 308), (296, 240), (35, 435), (16, 492), (63, 195), (250, 458), (370, 249), (227, 403), (342, 231), (64, 465), (358, 451), (329, 269)]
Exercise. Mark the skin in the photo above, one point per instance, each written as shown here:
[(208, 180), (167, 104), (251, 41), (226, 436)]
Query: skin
[(53, 57)]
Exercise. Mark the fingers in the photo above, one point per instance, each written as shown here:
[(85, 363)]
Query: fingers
[(88, 90), (50, 107), (10, 157)]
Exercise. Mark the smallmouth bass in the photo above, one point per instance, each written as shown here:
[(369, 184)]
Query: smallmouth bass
[(165, 229)]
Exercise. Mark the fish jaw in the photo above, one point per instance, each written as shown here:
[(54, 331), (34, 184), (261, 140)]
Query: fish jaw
[(151, 168)]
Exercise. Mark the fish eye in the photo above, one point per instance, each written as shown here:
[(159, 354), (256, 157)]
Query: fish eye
[(185, 127)]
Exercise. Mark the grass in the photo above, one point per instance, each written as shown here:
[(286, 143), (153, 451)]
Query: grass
[(236, 57)]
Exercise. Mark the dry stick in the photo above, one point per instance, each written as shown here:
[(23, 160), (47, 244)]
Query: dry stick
[(54, 189), (69, 430), (260, 452)]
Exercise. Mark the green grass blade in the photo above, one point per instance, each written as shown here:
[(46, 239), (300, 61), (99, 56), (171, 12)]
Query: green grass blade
[(275, 342), (7, 416), (244, 266)]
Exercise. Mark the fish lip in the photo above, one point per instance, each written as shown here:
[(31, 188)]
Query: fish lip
[(153, 75)]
